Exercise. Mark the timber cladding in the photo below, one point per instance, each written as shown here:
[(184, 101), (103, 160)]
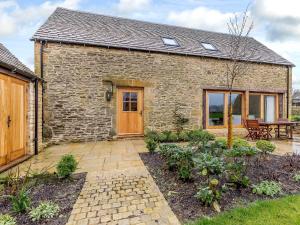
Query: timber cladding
[(76, 108)]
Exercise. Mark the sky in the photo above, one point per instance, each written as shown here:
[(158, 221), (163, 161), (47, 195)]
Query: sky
[(276, 22)]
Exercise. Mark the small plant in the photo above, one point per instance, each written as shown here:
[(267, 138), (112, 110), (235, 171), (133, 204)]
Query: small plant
[(185, 164), (173, 137), (210, 195), (170, 152), (151, 145), (242, 151), (183, 136), (236, 173), (269, 188), (179, 120), (297, 177), (221, 142), (66, 166), (45, 210), (6, 219), (239, 142), (200, 138), (151, 134), (209, 165), (265, 146), (163, 137), (20, 202)]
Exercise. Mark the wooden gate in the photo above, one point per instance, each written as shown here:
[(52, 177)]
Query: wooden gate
[(13, 111)]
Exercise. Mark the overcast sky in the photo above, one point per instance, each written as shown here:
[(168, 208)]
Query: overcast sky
[(276, 22)]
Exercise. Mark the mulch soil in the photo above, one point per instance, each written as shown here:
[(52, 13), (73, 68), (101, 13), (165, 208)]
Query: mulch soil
[(63, 192), (181, 195)]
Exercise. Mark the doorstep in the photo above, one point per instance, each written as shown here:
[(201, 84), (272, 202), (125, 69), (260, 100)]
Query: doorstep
[(14, 163)]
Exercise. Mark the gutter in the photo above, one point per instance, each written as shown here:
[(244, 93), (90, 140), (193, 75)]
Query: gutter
[(36, 119), (42, 77), (288, 92)]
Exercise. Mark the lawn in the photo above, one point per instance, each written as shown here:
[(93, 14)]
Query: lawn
[(284, 211)]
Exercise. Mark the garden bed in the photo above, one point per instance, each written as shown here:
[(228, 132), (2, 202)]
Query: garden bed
[(181, 195), (63, 192)]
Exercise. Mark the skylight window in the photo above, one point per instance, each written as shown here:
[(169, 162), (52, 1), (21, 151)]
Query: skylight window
[(208, 46), (170, 41)]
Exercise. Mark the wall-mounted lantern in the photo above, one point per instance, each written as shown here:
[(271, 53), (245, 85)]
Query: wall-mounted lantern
[(109, 93)]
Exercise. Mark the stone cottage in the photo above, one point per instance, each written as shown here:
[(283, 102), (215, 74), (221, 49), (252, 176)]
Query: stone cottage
[(108, 76), (20, 111)]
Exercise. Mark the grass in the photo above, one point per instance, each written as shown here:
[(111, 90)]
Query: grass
[(283, 211)]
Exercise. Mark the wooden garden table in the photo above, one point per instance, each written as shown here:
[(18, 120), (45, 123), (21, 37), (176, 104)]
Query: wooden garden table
[(278, 124)]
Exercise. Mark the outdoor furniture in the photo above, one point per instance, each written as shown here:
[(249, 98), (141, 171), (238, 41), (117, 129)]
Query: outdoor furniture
[(282, 131), (255, 131), (279, 124)]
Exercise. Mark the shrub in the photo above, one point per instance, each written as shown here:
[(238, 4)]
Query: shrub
[(208, 164), (172, 137), (297, 177), (185, 164), (199, 138), (295, 117), (239, 142), (242, 151), (183, 136), (221, 142), (162, 137), (45, 210), (66, 166), (151, 134), (6, 219), (269, 188), (236, 173), (20, 202), (210, 195), (151, 145), (170, 152), (265, 146)]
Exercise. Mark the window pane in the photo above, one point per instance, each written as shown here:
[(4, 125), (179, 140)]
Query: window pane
[(126, 96), (126, 106), (269, 108), (216, 109), (133, 106), (254, 106), (236, 102), (133, 97)]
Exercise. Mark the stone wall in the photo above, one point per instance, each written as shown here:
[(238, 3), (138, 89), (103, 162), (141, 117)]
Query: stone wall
[(75, 105)]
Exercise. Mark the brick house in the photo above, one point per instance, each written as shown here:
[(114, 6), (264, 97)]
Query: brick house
[(108, 75), (20, 110)]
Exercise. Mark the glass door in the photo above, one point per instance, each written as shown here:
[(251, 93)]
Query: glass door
[(270, 108)]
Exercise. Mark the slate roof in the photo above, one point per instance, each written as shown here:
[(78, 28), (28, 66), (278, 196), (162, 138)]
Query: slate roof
[(11, 62), (69, 26)]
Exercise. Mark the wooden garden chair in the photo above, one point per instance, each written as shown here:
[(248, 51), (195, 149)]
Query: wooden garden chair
[(255, 131)]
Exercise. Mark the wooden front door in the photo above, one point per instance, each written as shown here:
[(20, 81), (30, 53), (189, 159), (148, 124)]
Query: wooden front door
[(12, 118), (130, 103)]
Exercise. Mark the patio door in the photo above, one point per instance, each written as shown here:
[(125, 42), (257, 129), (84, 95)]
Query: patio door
[(130, 111), (12, 118), (270, 108)]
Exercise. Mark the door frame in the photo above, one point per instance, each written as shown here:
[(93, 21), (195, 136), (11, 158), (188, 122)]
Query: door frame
[(118, 88)]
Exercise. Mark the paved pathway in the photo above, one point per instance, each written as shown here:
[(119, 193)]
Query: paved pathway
[(118, 189)]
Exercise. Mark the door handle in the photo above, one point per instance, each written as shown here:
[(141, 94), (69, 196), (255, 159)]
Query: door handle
[(8, 121), (141, 112)]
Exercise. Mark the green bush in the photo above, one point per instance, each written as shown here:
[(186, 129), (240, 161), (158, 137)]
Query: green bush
[(183, 136), (295, 117), (236, 173), (185, 164), (199, 138), (167, 150), (6, 219), (173, 137), (269, 188), (151, 145), (297, 177), (151, 134), (265, 146), (239, 142), (242, 151), (221, 142), (162, 137), (209, 195), (45, 210), (209, 165), (21, 201), (66, 166)]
